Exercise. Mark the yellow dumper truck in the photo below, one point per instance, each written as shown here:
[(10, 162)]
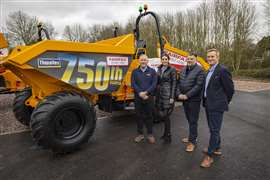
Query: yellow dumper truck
[(67, 79)]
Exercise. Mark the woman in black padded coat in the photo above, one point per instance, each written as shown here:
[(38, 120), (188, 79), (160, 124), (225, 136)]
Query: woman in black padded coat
[(165, 94)]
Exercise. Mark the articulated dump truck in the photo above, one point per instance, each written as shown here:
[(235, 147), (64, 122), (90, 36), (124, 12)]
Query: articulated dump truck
[(9, 82), (66, 80)]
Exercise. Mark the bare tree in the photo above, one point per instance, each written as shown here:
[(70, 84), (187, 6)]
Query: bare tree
[(149, 34), (76, 33), (243, 26), (22, 28), (99, 32), (95, 32), (266, 6), (108, 30), (193, 28), (179, 29), (50, 29), (129, 27), (224, 14), (204, 18), (167, 22)]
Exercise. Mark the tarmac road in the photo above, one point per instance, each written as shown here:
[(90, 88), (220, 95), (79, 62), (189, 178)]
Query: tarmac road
[(111, 153)]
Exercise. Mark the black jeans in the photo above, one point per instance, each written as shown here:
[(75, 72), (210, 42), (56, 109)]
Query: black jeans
[(214, 119), (165, 116), (144, 111), (192, 110), (167, 125)]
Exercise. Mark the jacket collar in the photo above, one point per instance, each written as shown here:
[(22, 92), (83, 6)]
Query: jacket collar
[(168, 67), (191, 67), (186, 68), (216, 70), (212, 69), (146, 69)]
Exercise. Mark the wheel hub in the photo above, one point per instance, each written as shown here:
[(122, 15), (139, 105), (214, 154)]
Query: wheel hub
[(68, 123)]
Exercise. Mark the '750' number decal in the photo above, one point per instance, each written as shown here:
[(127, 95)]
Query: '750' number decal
[(97, 75)]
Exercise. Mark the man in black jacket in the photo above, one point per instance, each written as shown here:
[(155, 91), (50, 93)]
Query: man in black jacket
[(217, 94), (144, 81), (189, 90)]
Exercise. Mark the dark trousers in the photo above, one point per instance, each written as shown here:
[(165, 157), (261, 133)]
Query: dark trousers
[(192, 110), (165, 117), (144, 111), (214, 119), (167, 125)]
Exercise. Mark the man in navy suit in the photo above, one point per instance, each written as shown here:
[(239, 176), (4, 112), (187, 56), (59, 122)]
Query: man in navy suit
[(218, 92)]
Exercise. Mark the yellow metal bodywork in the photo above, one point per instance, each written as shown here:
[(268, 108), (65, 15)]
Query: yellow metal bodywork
[(3, 42), (20, 56), (44, 85), (12, 82)]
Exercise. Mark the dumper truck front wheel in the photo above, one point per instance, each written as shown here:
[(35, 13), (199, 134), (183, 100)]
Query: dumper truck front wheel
[(20, 110), (63, 122)]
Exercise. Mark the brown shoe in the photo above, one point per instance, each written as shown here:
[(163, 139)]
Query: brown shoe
[(185, 140), (190, 147), (151, 139), (139, 138), (217, 152), (207, 161)]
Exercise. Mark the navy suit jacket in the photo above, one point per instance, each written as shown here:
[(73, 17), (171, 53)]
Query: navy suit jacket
[(220, 90)]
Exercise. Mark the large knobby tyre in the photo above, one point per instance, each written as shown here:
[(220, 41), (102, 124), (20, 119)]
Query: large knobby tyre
[(21, 111), (63, 122)]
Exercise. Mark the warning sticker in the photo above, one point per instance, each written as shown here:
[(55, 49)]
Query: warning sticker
[(117, 61)]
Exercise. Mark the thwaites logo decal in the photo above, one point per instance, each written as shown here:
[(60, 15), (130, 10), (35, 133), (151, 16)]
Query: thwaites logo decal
[(95, 73), (49, 63)]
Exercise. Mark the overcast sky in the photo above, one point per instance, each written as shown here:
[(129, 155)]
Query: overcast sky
[(64, 12)]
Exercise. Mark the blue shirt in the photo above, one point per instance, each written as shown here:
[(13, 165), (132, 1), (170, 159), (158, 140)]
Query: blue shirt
[(208, 77), (144, 80)]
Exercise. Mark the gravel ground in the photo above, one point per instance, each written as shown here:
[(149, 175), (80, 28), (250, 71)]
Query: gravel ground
[(8, 123), (251, 86)]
